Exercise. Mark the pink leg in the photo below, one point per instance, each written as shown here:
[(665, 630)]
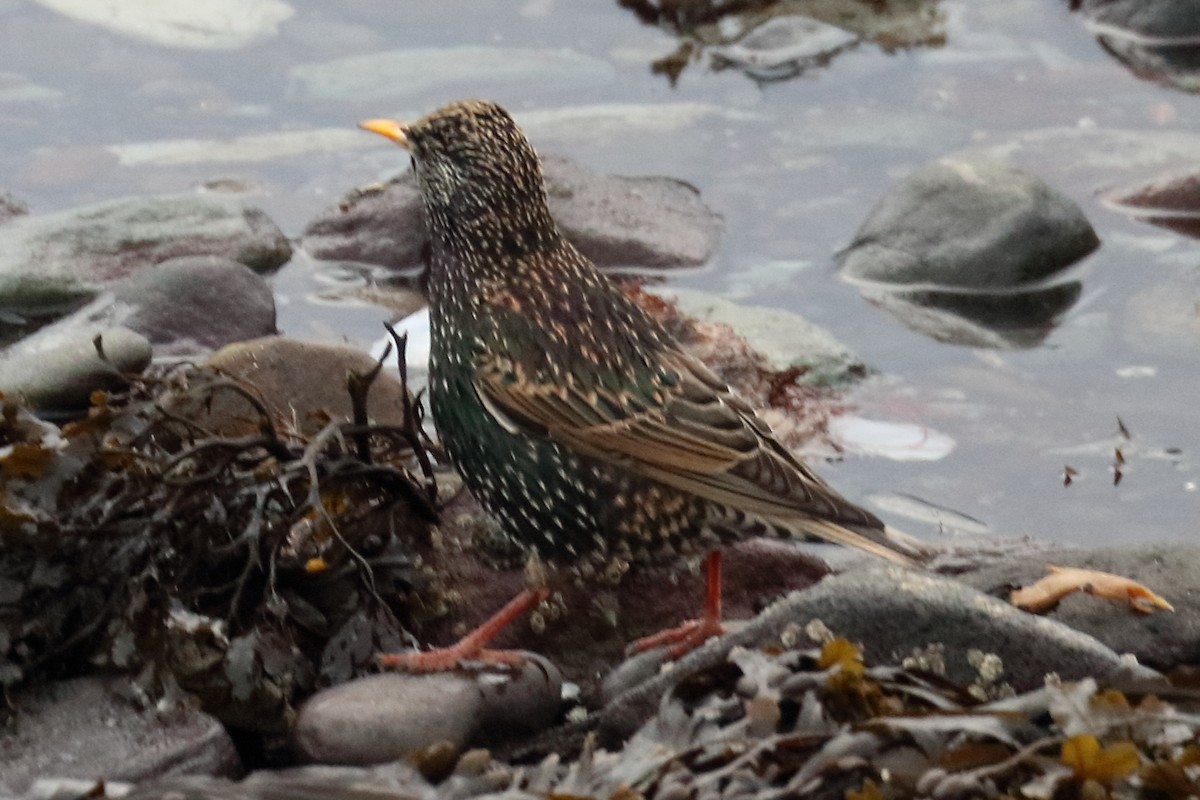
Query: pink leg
[(693, 633), (473, 646)]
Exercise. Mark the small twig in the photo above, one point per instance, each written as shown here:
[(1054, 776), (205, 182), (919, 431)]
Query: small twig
[(237, 446), (315, 502), (358, 384), (412, 416), (251, 535)]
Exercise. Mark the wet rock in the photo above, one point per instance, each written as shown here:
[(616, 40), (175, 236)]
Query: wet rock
[(1162, 640), (431, 71), (182, 306), (385, 717), (1157, 40), (515, 704), (1171, 201), (11, 207), (784, 339), (50, 259), (299, 381), (1172, 64), (895, 612), (631, 222), (80, 729), (960, 250), (615, 221), (898, 614), (1164, 19), (212, 25), (61, 375), (969, 224), (197, 303), (380, 224)]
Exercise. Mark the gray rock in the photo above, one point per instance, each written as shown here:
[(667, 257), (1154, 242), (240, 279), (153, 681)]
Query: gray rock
[(381, 718), (896, 613), (183, 306), (282, 372), (1155, 39), (631, 222), (1162, 639), (61, 376), (1149, 19), (784, 339), (1169, 200), (972, 224), (519, 703), (374, 77), (48, 260), (381, 224), (80, 729), (197, 303), (615, 221)]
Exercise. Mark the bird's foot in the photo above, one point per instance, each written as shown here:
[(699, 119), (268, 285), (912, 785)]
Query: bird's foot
[(472, 648), (681, 640), (693, 633)]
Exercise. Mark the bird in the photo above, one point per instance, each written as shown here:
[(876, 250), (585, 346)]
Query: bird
[(573, 416)]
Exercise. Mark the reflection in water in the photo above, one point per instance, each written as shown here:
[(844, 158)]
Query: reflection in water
[(1005, 320), (772, 41)]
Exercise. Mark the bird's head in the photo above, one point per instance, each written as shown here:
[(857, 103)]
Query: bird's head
[(474, 166)]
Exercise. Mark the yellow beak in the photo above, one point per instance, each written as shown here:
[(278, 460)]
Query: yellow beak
[(388, 129)]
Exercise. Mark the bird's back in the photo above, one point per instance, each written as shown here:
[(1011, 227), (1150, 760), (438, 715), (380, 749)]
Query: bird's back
[(584, 427)]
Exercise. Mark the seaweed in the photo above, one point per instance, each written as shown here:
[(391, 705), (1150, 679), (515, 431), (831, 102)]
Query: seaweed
[(234, 558)]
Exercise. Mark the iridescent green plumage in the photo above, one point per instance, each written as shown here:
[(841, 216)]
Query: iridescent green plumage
[(571, 414)]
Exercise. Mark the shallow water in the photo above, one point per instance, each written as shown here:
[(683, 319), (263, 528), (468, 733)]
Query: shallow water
[(794, 166)]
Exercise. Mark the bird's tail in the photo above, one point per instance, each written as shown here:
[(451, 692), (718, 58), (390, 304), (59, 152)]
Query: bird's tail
[(886, 542)]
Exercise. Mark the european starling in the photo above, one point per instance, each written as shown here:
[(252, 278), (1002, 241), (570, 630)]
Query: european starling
[(573, 416)]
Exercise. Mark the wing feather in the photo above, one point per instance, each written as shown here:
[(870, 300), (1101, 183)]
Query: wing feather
[(694, 435)]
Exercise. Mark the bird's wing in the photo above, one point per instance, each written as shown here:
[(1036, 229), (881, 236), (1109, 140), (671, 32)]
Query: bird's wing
[(689, 431)]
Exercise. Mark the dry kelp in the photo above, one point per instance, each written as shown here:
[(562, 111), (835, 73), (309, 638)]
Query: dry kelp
[(782, 723), (245, 567)]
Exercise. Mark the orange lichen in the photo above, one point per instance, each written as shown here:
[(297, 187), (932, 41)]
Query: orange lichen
[(841, 653), (1063, 581), (27, 460), (869, 791), (1105, 765)]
